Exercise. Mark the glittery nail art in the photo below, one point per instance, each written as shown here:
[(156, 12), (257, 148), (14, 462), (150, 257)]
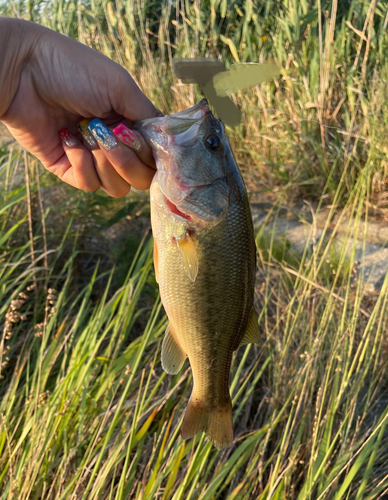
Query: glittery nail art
[(127, 137), (102, 134), (67, 137), (86, 134)]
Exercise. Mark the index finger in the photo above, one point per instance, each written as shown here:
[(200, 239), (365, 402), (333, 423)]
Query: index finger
[(125, 162)]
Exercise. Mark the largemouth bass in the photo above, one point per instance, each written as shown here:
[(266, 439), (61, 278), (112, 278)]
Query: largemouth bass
[(205, 260)]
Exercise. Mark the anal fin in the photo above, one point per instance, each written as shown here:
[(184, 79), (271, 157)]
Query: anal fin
[(173, 356), (252, 333)]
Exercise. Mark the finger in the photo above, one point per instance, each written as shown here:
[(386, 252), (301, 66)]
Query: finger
[(111, 182), (124, 161), (89, 141), (75, 165), (135, 141)]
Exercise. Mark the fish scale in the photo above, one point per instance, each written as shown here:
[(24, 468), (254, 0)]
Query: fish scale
[(205, 269)]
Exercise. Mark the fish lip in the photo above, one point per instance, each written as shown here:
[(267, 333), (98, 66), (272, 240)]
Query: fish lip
[(160, 131), (202, 106), (171, 124)]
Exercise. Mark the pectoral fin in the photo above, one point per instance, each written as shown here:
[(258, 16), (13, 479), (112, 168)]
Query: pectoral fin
[(173, 356), (156, 262), (189, 254), (252, 334)]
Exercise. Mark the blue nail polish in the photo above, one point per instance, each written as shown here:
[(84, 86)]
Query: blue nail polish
[(105, 138), (86, 134)]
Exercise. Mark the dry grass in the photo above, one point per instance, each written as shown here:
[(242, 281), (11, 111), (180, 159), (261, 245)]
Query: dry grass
[(86, 410)]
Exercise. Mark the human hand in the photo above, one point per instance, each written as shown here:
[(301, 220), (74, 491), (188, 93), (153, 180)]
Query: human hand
[(56, 82)]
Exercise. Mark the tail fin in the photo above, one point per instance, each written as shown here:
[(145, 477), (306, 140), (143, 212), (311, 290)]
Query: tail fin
[(217, 423)]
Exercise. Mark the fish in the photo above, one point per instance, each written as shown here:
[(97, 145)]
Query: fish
[(204, 259)]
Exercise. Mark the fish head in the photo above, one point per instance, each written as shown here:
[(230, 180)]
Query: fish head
[(191, 151)]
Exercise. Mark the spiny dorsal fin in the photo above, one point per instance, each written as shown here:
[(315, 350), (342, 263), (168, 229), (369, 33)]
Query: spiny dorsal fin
[(252, 334), (189, 254), (173, 356)]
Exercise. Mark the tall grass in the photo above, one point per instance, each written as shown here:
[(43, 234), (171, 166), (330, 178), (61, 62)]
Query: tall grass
[(86, 410), (326, 112)]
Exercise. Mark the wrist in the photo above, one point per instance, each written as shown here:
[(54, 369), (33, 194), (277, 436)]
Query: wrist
[(17, 39)]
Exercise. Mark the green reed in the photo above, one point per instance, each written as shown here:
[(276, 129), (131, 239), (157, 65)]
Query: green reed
[(86, 410)]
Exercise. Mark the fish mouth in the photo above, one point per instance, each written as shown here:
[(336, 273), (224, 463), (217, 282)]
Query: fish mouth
[(191, 179), (176, 123), (156, 130)]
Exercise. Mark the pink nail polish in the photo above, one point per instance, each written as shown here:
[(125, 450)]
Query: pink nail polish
[(127, 137), (67, 137)]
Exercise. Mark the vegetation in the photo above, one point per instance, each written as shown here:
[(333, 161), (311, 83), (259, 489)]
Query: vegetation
[(85, 408)]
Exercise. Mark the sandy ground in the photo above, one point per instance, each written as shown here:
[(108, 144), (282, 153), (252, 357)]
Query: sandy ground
[(5, 136), (4, 131)]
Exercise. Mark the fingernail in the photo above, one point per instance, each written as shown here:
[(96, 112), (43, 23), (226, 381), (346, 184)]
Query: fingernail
[(86, 134), (67, 137), (127, 137), (102, 134)]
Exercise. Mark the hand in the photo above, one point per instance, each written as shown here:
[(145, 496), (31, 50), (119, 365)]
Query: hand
[(61, 82)]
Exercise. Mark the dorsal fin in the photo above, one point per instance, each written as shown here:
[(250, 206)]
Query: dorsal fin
[(252, 333)]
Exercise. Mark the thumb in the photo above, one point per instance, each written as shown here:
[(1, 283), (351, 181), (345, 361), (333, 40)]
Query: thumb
[(129, 100)]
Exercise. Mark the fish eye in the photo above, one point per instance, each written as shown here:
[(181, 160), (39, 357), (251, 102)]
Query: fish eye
[(213, 142)]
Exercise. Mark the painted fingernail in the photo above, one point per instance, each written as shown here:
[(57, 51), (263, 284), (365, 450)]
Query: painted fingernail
[(86, 134), (102, 134), (67, 137), (127, 137)]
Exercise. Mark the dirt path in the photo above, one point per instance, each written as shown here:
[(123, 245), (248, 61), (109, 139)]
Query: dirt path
[(365, 243)]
